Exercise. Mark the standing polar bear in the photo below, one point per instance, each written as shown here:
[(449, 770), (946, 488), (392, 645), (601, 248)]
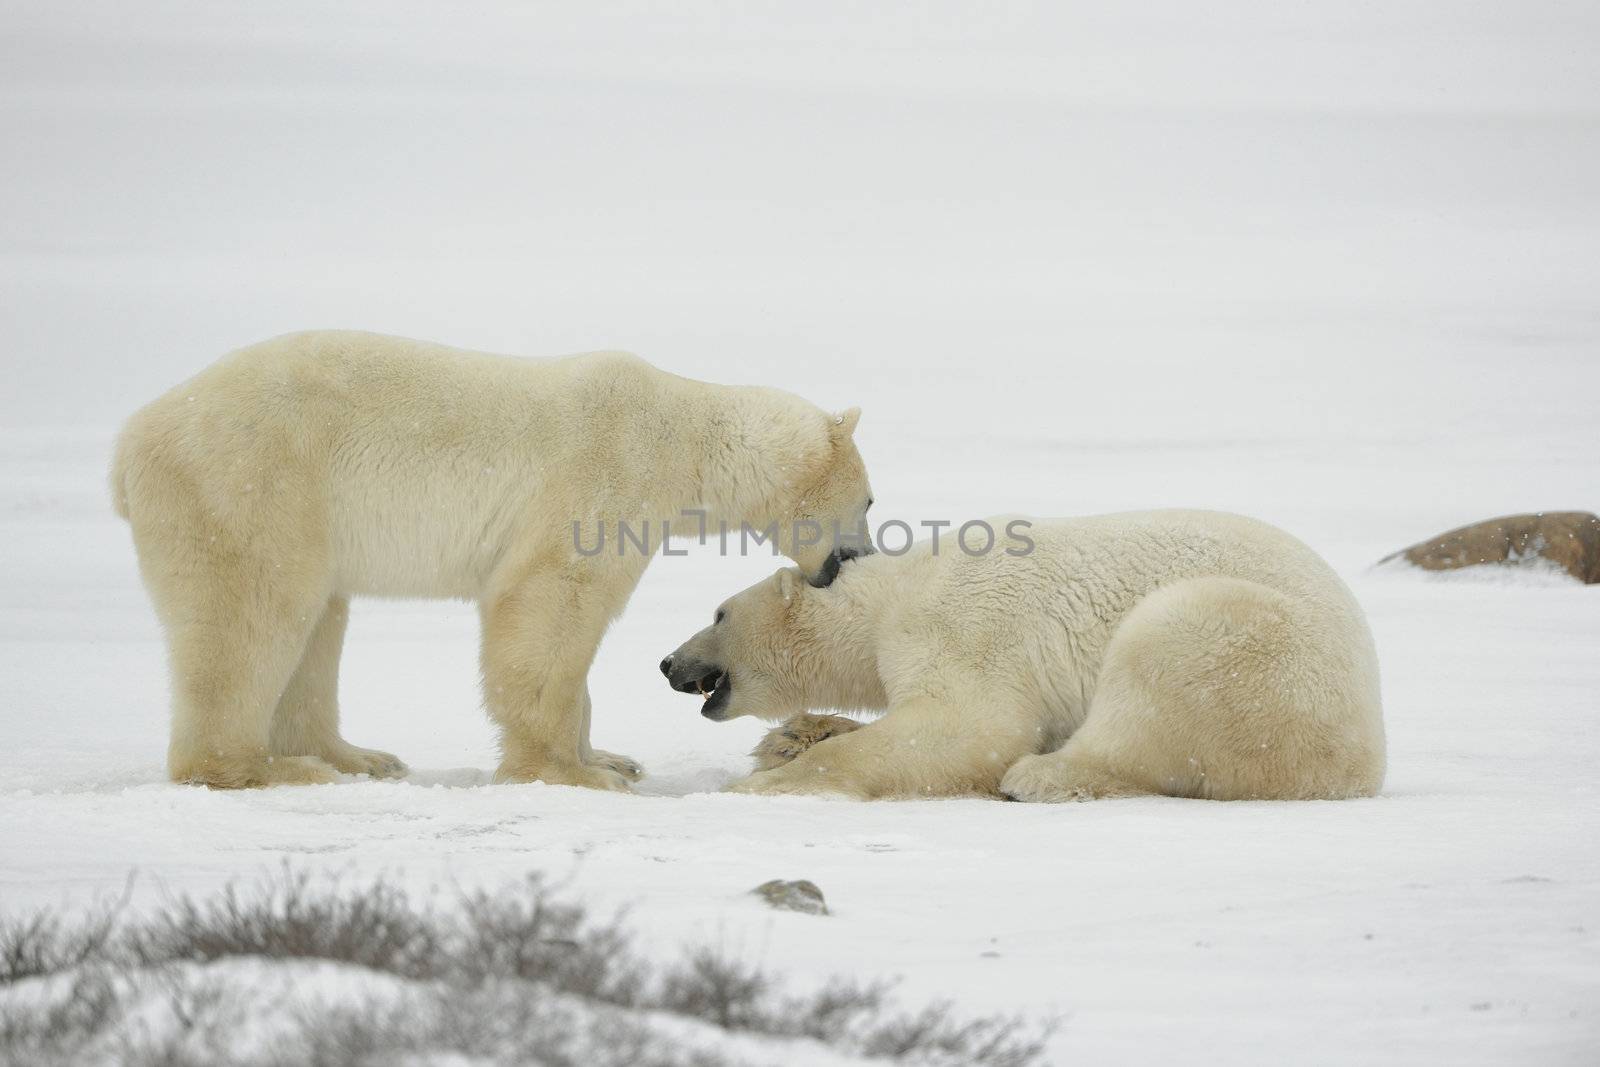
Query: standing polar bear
[(291, 475), (1187, 653)]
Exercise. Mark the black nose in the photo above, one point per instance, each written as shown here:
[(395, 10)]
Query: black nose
[(666, 665)]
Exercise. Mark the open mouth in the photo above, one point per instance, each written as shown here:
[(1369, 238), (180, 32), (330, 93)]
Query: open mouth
[(714, 688), (714, 692)]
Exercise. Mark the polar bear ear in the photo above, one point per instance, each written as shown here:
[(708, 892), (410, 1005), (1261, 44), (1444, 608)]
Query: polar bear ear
[(787, 584), (844, 423)]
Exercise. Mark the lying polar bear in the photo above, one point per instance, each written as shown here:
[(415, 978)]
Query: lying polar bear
[(291, 475), (1187, 653)]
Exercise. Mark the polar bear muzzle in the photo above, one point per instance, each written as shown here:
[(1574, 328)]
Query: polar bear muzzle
[(831, 564)]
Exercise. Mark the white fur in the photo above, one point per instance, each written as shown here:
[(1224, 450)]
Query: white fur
[(1187, 653), (296, 473)]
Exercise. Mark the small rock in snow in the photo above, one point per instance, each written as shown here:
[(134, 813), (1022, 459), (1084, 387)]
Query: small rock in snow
[(801, 895)]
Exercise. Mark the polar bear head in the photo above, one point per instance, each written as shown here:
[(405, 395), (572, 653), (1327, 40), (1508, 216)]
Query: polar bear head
[(796, 481), (770, 652)]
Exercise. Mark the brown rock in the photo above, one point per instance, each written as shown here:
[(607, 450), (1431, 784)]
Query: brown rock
[(1569, 539)]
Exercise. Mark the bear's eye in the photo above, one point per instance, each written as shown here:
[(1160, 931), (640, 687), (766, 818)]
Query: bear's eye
[(869, 503), (720, 616)]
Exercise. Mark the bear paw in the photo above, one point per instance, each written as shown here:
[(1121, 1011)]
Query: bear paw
[(254, 772), (787, 780), (589, 776), (351, 759), (628, 768), (1051, 779), (783, 743)]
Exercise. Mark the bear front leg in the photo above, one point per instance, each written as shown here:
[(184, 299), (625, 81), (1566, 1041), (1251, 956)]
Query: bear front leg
[(922, 748), (537, 647), (783, 743)]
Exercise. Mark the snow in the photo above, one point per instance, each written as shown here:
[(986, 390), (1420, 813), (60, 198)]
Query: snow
[(1331, 265)]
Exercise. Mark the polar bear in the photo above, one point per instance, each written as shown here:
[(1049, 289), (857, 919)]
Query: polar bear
[(291, 475), (1186, 653)]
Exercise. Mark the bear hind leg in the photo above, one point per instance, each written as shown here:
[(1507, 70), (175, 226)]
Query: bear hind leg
[(1224, 689), (232, 652), (306, 722)]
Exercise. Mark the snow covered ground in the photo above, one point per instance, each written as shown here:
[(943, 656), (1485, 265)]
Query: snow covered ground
[(1333, 265)]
